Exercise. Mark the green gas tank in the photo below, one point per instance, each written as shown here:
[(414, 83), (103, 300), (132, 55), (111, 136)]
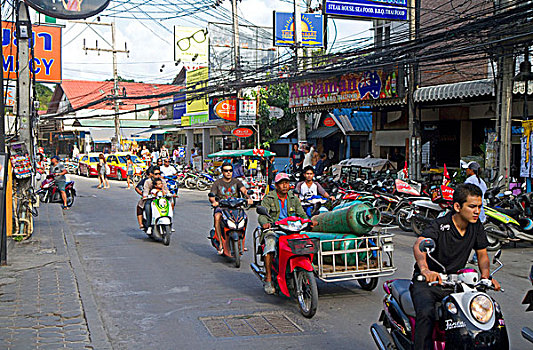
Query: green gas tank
[(338, 246), (359, 218)]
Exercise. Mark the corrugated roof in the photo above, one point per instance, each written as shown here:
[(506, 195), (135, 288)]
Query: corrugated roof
[(322, 132), (82, 92), (463, 89), (350, 120)]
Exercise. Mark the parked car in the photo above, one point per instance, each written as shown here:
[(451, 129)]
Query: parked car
[(118, 165), (87, 164)]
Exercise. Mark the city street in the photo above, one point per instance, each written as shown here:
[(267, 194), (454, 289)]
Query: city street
[(151, 295)]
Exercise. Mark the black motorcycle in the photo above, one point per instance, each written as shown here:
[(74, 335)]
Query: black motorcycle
[(468, 318), (233, 225)]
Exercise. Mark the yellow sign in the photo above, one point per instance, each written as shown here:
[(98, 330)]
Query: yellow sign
[(197, 100)]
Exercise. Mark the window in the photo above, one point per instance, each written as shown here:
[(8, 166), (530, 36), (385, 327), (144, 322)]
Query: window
[(93, 160), (84, 158)]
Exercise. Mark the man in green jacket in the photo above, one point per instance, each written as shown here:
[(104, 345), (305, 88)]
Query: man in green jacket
[(280, 205)]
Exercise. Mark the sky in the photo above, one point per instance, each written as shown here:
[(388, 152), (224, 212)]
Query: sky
[(150, 43)]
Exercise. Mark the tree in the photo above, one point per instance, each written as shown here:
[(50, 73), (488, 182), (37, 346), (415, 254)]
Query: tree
[(275, 96), (44, 94)]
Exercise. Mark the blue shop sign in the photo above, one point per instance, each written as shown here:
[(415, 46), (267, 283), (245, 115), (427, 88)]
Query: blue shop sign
[(380, 9)]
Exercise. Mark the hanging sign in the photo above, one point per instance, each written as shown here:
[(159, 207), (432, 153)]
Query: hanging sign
[(69, 9), (380, 9), (46, 65), (247, 112), (276, 112), (243, 132), (227, 109), (312, 29), (329, 121)]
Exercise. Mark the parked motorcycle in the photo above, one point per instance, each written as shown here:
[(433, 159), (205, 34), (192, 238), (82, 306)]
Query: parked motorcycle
[(49, 192), (161, 226), (468, 318), (204, 182), (292, 268), (527, 333), (313, 204), (233, 225)]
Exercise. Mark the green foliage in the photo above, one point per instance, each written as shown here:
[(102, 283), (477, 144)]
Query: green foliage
[(276, 96), (44, 94)]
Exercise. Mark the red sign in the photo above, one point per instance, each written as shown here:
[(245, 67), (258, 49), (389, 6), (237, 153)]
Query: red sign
[(243, 132), (258, 152), (227, 109), (329, 121)]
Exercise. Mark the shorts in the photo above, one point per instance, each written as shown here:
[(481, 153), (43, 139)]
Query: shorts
[(139, 211), (61, 185), (271, 243), (130, 173), (217, 210)]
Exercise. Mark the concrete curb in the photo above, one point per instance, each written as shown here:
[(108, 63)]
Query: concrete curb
[(98, 335)]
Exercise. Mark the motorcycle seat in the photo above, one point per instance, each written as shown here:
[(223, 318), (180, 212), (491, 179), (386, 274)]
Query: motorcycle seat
[(510, 212), (400, 292)]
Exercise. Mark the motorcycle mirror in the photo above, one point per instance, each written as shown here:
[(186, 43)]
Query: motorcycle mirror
[(262, 211), (211, 195), (427, 245), (497, 256), (250, 192)]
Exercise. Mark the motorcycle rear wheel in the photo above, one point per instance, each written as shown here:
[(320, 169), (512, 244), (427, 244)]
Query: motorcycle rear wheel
[(70, 199), (190, 183), (494, 242), (368, 284), (386, 220), (402, 221), (202, 185), (237, 253), (419, 226), (306, 292)]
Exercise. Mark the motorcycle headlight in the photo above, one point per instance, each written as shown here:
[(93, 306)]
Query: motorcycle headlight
[(481, 308), (231, 225), (241, 224)]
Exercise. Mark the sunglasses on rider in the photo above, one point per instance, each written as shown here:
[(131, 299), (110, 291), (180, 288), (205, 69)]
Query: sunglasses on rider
[(158, 173), (227, 170)]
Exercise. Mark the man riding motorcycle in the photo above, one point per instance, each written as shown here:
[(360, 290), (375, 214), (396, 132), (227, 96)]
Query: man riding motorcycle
[(224, 188), (147, 188), (309, 186), (58, 170), (455, 234), (280, 204)]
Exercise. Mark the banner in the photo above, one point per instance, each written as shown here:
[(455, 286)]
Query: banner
[(69, 9), (380, 9), (191, 45), (9, 96), (179, 108), (46, 42), (197, 102), (369, 85), (312, 29), (223, 108)]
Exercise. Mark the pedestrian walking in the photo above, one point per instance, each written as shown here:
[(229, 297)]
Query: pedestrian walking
[(103, 171), (129, 170), (164, 152)]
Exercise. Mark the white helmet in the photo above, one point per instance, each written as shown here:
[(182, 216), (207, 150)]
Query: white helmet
[(468, 276)]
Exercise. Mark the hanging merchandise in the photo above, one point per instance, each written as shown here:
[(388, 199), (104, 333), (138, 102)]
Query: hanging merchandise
[(21, 166)]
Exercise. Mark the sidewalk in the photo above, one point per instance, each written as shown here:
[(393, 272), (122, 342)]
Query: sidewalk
[(41, 291)]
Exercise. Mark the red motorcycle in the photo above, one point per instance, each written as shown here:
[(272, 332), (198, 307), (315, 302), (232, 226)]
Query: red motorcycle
[(292, 268), (49, 192)]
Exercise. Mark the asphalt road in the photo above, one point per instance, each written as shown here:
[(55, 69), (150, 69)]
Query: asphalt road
[(150, 295)]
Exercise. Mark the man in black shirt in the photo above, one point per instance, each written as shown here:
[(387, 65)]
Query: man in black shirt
[(296, 158), (455, 235)]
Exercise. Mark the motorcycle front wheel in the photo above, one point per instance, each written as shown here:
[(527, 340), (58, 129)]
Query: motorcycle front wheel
[(236, 253), (165, 234), (401, 218), (190, 183), (494, 242), (306, 292)]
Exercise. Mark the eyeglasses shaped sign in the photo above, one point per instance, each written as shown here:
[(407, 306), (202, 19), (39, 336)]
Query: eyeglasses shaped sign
[(191, 44), (69, 9)]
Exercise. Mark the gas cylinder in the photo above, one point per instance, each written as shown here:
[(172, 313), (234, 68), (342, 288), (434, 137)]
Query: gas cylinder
[(338, 246), (359, 218)]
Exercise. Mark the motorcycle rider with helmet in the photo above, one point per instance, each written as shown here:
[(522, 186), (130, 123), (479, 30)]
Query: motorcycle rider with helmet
[(224, 188), (144, 203), (280, 204), (455, 234)]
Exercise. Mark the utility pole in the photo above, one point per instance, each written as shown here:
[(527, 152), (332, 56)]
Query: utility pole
[(505, 110), (410, 102), (116, 93), (23, 80), (298, 53), (236, 46)]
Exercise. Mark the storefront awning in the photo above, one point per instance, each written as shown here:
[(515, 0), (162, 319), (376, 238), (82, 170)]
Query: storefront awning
[(100, 135), (463, 89), (322, 132)]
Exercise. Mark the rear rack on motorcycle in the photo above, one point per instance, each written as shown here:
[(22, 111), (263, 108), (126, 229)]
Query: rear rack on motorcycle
[(355, 258)]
